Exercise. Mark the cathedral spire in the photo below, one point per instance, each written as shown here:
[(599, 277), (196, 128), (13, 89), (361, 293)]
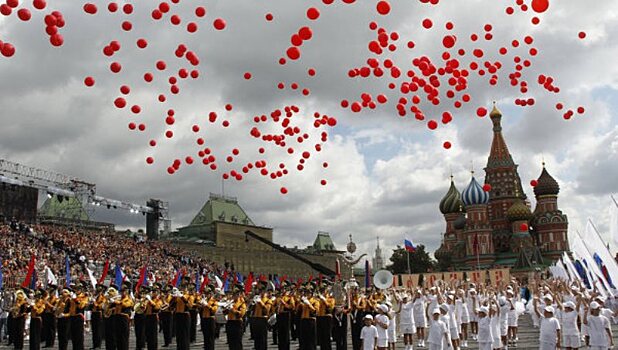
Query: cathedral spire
[(499, 155)]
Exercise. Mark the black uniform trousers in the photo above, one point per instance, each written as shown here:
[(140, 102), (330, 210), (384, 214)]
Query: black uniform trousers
[(10, 328), (48, 332), (64, 332), (307, 334), (96, 324), (208, 331), (193, 333), (110, 333), (357, 326), (324, 325), (151, 325), (295, 324), (283, 330), (121, 330), (166, 327), (233, 329), (36, 328), (19, 323), (140, 331), (260, 332), (182, 322), (340, 331)]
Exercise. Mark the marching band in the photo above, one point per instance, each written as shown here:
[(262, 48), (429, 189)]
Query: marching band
[(316, 313)]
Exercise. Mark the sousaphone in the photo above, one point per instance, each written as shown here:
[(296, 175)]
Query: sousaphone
[(383, 279)]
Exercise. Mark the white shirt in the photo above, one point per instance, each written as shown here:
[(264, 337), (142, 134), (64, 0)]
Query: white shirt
[(549, 326), (569, 323), (392, 324), (369, 335), (436, 332), (597, 326), (382, 331), (406, 316), (485, 332)]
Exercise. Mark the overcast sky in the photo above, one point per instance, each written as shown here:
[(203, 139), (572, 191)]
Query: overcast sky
[(386, 174)]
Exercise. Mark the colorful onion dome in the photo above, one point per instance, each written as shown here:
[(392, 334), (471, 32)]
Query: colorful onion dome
[(474, 194), (451, 203), (519, 211), (546, 185)]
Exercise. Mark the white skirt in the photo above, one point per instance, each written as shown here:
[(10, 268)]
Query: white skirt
[(420, 320), (571, 341), (407, 328), (512, 319), (392, 335), (382, 342)]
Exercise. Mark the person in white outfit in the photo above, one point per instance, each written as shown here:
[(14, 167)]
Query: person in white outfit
[(512, 317), (392, 326), (420, 318), (485, 336), (381, 321), (505, 308), (438, 333), (599, 328), (406, 321), (549, 337), (570, 333), (461, 308), (369, 334), (473, 307), (449, 318)]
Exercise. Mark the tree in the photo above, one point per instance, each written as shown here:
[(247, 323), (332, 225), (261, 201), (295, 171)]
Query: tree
[(419, 261)]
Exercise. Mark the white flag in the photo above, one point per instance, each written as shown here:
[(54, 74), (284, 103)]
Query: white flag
[(581, 252), (92, 279), (49, 277), (613, 220), (595, 245), (570, 267)]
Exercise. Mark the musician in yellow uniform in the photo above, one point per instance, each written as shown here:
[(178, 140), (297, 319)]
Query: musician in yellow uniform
[(308, 308), (96, 316), (48, 332), (63, 318), (77, 306), (358, 307), (259, 319), (286, 304), (36, 320), (19, 312), (324, 318), (235, 315), (139, 319), (122, 316), (153, 305), (208, 307), (110, 296), (180, 304)]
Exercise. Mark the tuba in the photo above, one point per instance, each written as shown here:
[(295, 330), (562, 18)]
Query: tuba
[(383, 279)]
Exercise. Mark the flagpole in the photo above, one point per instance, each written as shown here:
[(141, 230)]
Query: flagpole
[(409, 270), (599, 235), (614, 199)]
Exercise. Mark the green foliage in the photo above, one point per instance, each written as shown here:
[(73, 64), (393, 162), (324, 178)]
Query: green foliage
[(420, 261)]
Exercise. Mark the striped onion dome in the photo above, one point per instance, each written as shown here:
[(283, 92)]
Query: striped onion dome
[(474, 194), (451, 203)]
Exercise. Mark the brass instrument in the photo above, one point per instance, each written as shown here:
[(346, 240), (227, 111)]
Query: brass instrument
[(109, 307), (60, 307)]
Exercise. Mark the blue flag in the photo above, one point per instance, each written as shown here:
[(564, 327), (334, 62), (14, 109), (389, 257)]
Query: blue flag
[(226, 285), (118, 276), (603, 269), (581, 271), (179, 279), (277, 282), (239, 277), (67, 270), (1, 276), (33, 281), (197, 280)]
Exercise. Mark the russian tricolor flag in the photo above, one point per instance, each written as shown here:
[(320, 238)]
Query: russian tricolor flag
[(409, 246)]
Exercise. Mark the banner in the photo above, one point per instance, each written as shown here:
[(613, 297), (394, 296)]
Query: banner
[(453, 276), (478, 276), (410, 281), (430, 279), (499, 275)]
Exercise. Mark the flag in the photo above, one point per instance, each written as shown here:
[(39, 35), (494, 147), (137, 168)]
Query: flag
[(581, 252), (28, 278), (105, 271), (475, 244), (367, 275), (197, 279), (249, 283), (613, 220), (93, 280), (277, 282), (204, 284), (226, 285), (67, 272), (1, 275), (219, 282), (49, 277), (604, 260), (239, 277), (603, 269), (118, 276), (410, 248), (143, 278), (33, 280), (581, 271), (177, 278)]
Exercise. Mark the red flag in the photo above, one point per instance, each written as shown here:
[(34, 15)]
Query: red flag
[(175, 281), (475, 244), (248, 283), (28, 278), (285, 277), (105, 270), (204, 283), (300, 280), (224, 277), (310, 278), (142, 278)]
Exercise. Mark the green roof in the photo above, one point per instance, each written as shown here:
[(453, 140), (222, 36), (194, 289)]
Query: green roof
[(323, 242), (222, 209), (69, 208)]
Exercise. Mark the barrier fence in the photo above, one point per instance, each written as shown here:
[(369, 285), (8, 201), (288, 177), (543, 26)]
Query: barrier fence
[(493, 277)]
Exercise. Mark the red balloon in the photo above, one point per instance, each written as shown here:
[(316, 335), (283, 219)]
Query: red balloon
[(269, 17), (427, 23), (383, 7), (148, 77), (6, 10), (24, 14), (7, 50), (153, 143), (142, 43), (89, 81), (127, 26), (149, 160), (582, 35), (481, 112), (448, 41), (540, 6), (175, 19), (115, 67), (39, 4), (313, 13), (293, 53), (161, 65), (284, 190), (533, 183), (200, 11), (132, 126), (523, 227), (323, 182), (219, 24), (136, 109), (195, 128), (127, 8), (192, 27), (120, 102), (432, 124), (447, 145), (247, 75), (486, 187), (56, 40), (164, 7), (90, 8), (112, 7)]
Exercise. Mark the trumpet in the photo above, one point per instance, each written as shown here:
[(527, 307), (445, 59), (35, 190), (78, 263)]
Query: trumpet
[(226, 305), (305, 301)]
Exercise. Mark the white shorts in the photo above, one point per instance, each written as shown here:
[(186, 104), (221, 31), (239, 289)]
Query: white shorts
[(392, 336), (571, 341), (454, 334), (432, 346), (512, 320), (547, 346), (485, 346), (382, 342), (407, 328), (503, 328), (420, 320)]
